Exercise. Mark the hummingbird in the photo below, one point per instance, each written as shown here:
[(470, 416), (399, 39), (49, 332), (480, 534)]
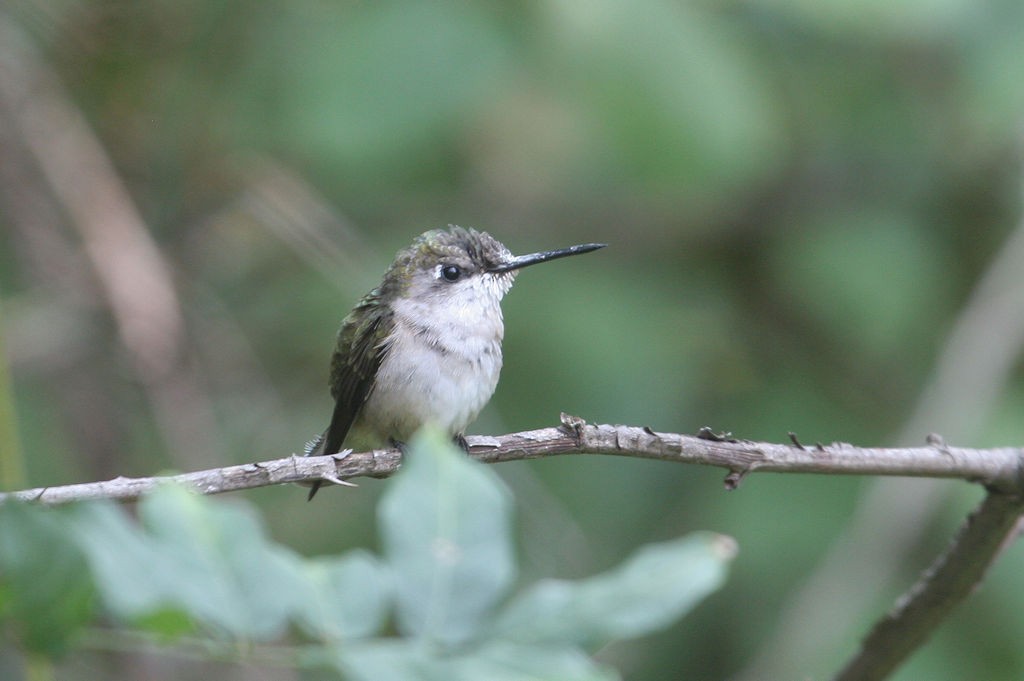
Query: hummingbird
[(425, 345)]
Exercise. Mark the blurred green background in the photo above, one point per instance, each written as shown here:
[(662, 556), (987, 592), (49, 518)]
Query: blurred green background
[(811, 209)]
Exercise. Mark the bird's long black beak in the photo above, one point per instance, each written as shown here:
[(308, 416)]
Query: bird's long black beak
[(518, 261)]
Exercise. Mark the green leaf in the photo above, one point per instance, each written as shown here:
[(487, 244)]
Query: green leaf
[(45, 590), (394, 660), (353, 593), (411, 661), (132, 575), (446, 529), (505, 661), (209, 561), (260, 583), (659, 584)]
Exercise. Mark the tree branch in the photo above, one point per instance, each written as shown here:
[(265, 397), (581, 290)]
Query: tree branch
[(998, 469), (949, 580)]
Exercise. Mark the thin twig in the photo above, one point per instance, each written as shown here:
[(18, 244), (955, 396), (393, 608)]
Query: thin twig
[(998, 469), (947, 582)]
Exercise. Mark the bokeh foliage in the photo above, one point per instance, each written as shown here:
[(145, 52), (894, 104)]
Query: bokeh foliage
[(800, 198)]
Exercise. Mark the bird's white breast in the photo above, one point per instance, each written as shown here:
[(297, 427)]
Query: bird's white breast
[(442, 364)]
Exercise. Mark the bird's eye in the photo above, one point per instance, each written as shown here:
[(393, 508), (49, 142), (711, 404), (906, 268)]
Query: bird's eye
[(451, 272)]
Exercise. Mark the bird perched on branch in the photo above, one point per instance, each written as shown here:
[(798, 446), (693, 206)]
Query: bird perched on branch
[(425, 345)]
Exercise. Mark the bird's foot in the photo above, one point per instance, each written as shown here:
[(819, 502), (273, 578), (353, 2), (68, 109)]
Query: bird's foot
[(326, 477), (310, 447)]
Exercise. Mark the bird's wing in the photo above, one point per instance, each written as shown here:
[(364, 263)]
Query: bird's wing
[(361, 348)]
